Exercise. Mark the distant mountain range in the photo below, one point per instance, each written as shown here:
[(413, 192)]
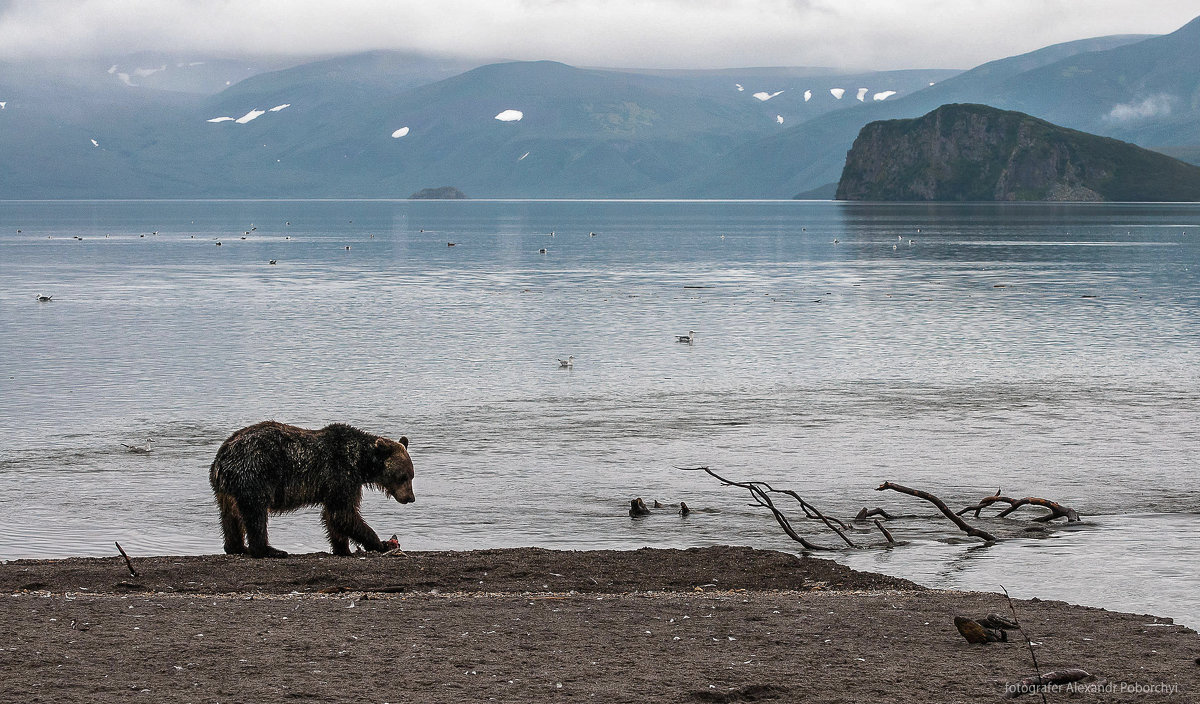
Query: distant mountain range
[(386, 124), (979, 153)]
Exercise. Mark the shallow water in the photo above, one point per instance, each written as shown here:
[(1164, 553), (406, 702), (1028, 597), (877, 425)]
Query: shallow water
[(1044, 349)]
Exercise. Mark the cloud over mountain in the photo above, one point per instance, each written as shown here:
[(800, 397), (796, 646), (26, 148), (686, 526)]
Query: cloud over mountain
[(654, 33)]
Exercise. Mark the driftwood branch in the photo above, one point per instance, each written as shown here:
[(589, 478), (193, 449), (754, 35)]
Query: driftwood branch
[(958, 521), (810, 511), (760, 492), (864, 514), (128, 562), (886, 533), (1057, 510)]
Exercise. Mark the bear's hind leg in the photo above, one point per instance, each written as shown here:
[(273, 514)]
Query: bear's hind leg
[(254, 517), (231, 525)]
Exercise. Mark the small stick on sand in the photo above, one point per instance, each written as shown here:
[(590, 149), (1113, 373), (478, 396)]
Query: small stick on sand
[(128, 562), (1036, 668)]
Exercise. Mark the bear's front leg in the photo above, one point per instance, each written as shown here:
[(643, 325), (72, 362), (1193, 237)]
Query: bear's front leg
[(344, 522)]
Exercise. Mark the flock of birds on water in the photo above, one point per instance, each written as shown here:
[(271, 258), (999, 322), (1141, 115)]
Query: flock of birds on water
[(568, 363)]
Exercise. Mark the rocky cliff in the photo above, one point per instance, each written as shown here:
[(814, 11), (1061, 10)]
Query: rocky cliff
[(968, 152)]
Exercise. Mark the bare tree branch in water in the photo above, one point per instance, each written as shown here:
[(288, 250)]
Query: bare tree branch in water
[(958, 521), (760, 492), (864, 514), (1057, 510)]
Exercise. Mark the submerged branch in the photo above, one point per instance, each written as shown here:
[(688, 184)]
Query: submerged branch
[(958, 521), (1057, 510), (760, 492)]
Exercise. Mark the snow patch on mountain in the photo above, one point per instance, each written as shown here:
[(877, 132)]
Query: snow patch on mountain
[(400, 133), (252, 115), (277, 108), (883, 95), (765, 96), (510, 116), (837, 92)]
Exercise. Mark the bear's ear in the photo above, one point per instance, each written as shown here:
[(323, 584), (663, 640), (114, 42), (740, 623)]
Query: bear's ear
[(404, 441), (382, 447)]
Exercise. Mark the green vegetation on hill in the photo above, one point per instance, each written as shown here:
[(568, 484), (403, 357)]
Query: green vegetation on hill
[(976, 152)]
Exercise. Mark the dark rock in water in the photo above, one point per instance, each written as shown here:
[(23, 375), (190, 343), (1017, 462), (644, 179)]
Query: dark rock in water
[(965, 152), (443, 193)]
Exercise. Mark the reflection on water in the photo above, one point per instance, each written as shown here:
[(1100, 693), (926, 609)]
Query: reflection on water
[(1044, 349)]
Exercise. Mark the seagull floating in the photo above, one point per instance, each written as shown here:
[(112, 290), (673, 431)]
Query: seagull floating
[(138, 449), (542, 250), (688, 338), (451, 244), (44, 298), (591, 234), (272, 261), (568, 363)]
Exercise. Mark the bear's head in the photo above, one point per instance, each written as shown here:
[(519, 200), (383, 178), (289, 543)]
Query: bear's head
[(396, 475)]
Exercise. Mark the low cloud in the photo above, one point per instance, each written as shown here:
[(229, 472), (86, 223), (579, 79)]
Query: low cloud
[(1155, 106), (650, 33)]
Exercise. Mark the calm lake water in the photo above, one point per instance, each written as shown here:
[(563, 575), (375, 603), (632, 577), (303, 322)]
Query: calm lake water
[(1047, 350)]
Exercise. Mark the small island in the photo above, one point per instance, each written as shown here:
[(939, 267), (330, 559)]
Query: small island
[(966, 152), (442, 193)]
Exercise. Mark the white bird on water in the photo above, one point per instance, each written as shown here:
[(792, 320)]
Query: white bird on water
[(688, 338), (138, 449), (568, 363)]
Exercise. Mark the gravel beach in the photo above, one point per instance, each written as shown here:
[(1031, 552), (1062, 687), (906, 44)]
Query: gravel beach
[(723, 624)]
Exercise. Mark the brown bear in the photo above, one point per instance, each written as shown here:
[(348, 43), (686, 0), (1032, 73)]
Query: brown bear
[(273, 467)]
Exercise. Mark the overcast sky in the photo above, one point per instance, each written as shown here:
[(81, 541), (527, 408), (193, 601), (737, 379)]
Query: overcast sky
[(880, 34)]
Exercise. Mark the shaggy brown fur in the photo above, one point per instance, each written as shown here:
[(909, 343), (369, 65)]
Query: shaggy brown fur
[(273, 467)]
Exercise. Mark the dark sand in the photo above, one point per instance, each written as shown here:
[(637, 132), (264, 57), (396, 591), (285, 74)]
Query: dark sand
[(702, 625)]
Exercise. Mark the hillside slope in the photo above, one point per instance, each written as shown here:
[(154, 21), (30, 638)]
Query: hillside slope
[(979, 153)]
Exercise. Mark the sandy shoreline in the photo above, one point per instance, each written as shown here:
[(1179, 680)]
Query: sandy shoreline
[(713, 624)]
